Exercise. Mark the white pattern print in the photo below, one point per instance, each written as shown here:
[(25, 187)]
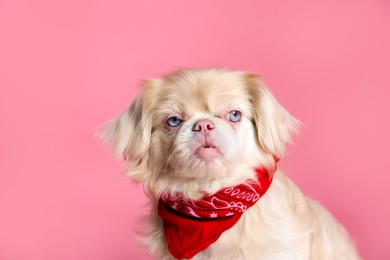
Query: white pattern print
[(192, 212), (213, 215), (236, 206), (248, 196)]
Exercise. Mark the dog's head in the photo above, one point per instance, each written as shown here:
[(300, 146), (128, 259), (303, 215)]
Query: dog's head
[(199, 129)]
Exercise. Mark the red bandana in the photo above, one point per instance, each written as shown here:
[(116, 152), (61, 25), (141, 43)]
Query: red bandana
[(191, 226)]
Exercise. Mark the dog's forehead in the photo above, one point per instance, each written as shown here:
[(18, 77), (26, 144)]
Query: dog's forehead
[(204, 91)]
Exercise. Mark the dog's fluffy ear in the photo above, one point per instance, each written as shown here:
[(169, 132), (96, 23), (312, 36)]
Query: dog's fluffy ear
[(129, 136), (274, 124)]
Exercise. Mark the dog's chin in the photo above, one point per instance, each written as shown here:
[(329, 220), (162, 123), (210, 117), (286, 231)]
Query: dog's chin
[(204, 164)]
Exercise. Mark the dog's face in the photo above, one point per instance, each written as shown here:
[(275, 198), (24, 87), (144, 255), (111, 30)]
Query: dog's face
[(200, 126), (201, 123)]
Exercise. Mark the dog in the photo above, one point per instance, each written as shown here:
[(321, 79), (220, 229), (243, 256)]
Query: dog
[(206, 145)]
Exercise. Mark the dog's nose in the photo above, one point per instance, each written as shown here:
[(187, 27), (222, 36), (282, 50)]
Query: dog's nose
[(204, 124)]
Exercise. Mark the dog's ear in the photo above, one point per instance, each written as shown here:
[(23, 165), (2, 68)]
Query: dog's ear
[(129, 136), (274, 125)]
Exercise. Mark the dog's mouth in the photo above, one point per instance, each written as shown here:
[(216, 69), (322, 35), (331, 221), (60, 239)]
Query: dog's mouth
[(208, 152)]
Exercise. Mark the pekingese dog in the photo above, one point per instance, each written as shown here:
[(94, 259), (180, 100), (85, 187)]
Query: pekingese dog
[(206, 144)]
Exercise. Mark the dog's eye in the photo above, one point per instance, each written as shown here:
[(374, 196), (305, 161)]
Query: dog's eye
[(173, 121), (234, 116)]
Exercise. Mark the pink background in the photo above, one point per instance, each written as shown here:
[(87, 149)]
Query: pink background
[(68, 66)]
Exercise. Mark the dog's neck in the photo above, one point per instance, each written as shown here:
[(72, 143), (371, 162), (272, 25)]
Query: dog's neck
[(164, 181)]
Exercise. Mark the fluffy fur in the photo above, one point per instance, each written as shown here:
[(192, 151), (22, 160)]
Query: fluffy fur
[(168, 158)]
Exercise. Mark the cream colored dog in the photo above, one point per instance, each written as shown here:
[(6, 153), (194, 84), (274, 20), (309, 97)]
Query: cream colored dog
[(196, 132)]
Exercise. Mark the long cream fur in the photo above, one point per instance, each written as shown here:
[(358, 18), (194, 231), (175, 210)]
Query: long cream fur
[(284, 224)]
